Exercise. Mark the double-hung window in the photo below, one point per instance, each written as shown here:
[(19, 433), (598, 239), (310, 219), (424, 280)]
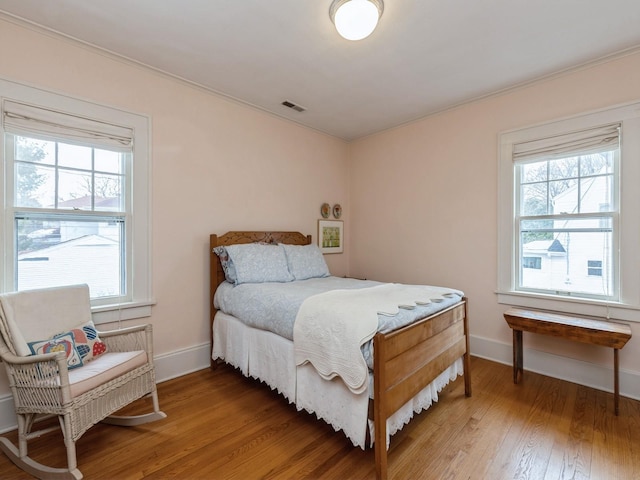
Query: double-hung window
[(75, 200), (568, 208)]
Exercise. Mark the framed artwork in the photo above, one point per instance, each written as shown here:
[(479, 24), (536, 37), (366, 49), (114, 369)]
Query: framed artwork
[(330, 237)]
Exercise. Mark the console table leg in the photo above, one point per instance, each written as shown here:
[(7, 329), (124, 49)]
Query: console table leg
[(616, 382), (517, 356)]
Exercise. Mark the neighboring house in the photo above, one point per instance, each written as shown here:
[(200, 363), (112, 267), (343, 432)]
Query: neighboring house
[(92, 259), (51, 233), (544, 260)]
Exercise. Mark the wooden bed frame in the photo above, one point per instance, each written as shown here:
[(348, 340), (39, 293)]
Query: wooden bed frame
[(405, 360)]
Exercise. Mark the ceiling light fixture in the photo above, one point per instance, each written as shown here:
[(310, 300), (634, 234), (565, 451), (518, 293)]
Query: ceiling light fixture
[(356, 19)]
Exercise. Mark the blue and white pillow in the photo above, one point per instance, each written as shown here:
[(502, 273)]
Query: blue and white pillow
[(305, 261), (259, 263)]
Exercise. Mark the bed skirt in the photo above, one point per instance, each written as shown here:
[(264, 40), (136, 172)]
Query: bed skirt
[(268, 357)]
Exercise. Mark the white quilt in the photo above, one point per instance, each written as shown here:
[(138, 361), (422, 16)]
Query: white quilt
[(331, 327)]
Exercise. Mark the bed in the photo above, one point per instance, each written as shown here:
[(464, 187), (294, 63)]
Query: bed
[(411, 362)]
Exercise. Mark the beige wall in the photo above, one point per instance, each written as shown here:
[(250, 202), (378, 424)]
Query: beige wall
[(424, 196), (419, 201), (216, 165)]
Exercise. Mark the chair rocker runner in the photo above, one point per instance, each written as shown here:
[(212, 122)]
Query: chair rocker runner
[(59, 364)]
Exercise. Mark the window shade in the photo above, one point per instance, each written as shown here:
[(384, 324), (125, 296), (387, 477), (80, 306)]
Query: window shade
[(583, 142), (48, 124)]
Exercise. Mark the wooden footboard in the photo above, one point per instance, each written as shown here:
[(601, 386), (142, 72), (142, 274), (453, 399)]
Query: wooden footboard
[(408, 359)]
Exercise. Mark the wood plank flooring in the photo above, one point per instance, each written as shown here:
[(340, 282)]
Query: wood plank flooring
[(221, 425)]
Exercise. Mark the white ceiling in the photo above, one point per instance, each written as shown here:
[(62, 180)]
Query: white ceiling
[(425, 55)]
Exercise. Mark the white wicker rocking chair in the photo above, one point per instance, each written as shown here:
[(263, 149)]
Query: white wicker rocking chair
[(42, 384)]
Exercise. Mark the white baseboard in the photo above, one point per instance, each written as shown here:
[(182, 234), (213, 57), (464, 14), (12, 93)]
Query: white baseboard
[(168, 366), (182, 362), (577, 371)]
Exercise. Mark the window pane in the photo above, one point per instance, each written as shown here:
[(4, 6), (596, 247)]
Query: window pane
[(534, 199), (565, 260), (563, 168), (597, 163), (74, 156), (74, 189), (108, 193), (55, 252), (596, 194), (534, 172), (564, 196), (107, 161), (34, 185), (33, 150)]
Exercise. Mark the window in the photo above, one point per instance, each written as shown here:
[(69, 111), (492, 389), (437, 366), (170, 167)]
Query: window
[(564, 205), (532, 262), (75, 177), (68, 209), (594, 268), (559, 194)]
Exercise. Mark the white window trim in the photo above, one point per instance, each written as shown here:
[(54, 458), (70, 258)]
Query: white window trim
[(628, 306), (141, 298)]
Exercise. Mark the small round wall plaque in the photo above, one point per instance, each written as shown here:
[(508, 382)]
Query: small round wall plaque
[(337, 210), (325, 210)]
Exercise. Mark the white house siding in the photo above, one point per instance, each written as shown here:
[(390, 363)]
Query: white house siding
[(91, 259)]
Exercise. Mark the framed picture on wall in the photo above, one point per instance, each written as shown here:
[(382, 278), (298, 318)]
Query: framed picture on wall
[(330, 238)]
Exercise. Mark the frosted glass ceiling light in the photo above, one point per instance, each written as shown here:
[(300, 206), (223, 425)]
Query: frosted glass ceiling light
[(355, 19)]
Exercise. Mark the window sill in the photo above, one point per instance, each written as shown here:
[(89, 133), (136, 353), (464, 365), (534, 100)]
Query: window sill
[(121, 312), (608, 310)]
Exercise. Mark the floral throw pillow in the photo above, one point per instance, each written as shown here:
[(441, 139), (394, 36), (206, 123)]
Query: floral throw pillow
[(81, 345), (60, 343), (88, 342), (227, 264)]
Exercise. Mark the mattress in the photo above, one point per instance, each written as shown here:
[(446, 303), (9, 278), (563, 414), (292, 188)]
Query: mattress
[(273, 306)]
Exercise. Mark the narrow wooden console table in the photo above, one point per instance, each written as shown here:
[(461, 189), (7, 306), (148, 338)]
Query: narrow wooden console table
[(579, 329)]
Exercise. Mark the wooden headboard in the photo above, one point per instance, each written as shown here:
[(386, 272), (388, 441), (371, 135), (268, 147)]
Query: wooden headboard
[(233, 238)]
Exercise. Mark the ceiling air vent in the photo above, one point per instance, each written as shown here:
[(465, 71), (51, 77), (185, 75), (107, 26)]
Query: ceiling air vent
[(293, 106)]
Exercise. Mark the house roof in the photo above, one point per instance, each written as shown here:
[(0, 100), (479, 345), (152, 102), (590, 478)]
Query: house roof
[(60, 247), (84, 202), (88, 259), (553, 246)]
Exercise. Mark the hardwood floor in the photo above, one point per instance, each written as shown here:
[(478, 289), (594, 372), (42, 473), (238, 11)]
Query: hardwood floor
[(221, 425)]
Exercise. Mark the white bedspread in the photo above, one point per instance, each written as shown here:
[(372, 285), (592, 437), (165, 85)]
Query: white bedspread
[(331, 327)]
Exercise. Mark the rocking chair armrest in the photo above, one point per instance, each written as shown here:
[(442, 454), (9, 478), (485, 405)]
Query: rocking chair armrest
[(129, 339), (10, 358), (122, 331), (48, 371)]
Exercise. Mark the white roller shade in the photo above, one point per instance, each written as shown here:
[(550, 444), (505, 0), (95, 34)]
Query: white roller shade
[(584, 142), (23, 119)]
